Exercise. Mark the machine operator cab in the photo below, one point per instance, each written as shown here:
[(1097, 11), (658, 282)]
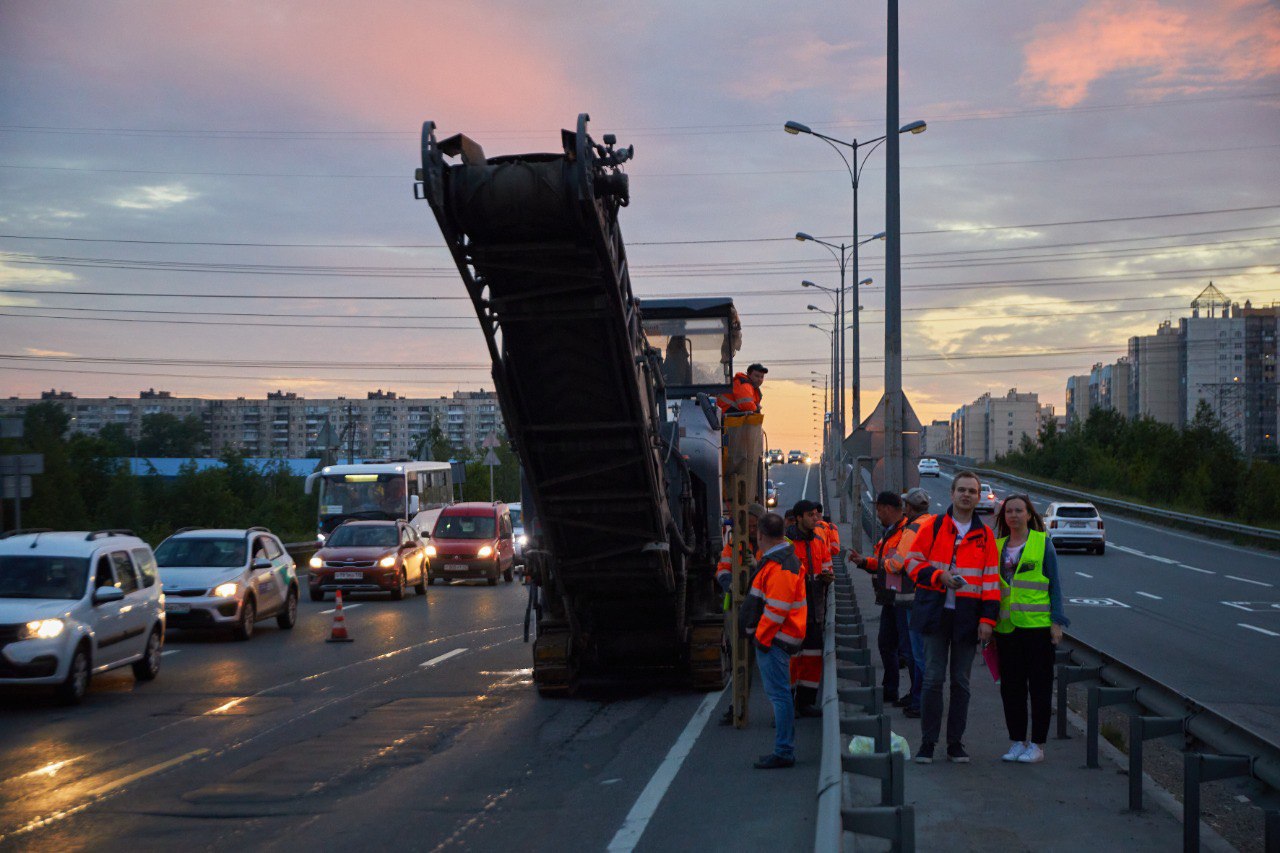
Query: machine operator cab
[(696, 340)]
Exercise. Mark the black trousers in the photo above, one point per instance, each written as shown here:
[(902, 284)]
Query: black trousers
[(1026, 672)]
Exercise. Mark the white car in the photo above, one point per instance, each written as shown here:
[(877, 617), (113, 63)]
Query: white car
[(227, 579), (929, 468), (986, 499), (1076, 525), (76, 604)]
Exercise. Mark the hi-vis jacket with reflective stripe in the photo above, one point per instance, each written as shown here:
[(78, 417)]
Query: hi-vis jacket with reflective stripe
[(885, 555), (1024, 599), (831, 535), (725, 566), (744, 397), (778, 599), (976, 560)]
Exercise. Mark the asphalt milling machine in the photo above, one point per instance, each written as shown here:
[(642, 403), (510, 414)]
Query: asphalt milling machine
[(609, 403)]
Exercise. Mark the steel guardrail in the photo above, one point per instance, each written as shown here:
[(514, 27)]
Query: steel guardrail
[(1140, 510), (829, 828), (1211, 727)]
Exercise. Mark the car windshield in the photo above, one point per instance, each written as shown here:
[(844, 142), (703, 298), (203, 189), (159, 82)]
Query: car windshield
[(986, 488), (34, 576), (344, 494), (516, 516), (464, 527), (200, 552), (364, 536), (1077, 512)]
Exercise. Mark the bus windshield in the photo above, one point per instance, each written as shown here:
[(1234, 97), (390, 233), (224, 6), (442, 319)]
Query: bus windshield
[(345, 494)]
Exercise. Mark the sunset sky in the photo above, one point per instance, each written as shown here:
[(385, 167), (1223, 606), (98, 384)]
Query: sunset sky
[(1088, 168)]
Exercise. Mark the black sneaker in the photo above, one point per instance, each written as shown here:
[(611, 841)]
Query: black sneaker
[(726, 719), (808, 711), (773, 761), (924, 755), (956, 754), (902, 701), (913, 713)]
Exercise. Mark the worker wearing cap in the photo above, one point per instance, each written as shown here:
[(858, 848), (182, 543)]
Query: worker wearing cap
[(811, 549), (916, 505), (745, 396), (892, 638)]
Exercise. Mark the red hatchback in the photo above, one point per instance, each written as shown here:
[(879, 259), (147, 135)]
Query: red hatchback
[(472, 540), (369, 556)]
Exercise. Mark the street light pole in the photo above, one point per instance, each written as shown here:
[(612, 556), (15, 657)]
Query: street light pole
[(893, 480)]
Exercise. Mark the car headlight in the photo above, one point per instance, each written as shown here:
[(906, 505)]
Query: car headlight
[(320, 537), (431, 550), (387, 561), (226, 590), (522, 540), (315, 563), (485, 551), (43, 629)]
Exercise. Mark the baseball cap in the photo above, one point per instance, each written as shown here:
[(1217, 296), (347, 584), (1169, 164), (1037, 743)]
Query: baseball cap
[(756, 510), (917, 497), (759, 367)]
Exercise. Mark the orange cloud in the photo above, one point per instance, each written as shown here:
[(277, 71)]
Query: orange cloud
[(1172, 47)]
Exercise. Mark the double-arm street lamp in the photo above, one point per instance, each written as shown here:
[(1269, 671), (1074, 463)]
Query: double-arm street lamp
[(854, 169)]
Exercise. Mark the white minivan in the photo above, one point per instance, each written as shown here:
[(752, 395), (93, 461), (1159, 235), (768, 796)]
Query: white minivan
[(76, 604)]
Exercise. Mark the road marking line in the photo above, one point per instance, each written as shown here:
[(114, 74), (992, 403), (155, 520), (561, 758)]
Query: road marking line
[(805, 488), (1195, 569), (1259, 630), (1133, 551), (1083, 575), (1148, 595), (1246, 580), (169, 652), (441, 659), (345, 608), (628, 835)]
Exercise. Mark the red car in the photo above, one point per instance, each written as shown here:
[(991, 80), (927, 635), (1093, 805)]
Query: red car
[(369, 556), (472, 540)]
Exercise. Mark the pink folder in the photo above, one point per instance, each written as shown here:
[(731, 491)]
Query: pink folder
[(992, 658)]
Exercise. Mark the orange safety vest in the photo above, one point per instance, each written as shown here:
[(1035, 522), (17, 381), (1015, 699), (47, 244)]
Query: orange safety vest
[(977, 560), (779, 584), (744, 397), (725, 566), (831, 534)]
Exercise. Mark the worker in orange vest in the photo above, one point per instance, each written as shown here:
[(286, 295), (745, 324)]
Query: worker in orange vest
[(745, 396), (815, 557), (829, 532)]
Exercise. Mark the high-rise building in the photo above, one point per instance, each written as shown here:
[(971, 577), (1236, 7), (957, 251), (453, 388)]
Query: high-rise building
[(1109, 387), (1079, 401), (990, 427), (1155, 378), (936, 439)]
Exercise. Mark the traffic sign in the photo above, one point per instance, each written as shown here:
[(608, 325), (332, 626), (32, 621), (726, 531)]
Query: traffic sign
[(491, 459), (21, 463), (15, 488), (489, 443)]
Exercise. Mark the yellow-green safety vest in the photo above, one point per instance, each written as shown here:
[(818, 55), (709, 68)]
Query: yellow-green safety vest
[(1024, 600)]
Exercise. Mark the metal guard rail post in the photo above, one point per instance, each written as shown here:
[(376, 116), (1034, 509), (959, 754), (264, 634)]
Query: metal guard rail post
[(1140, 510), (827, 836)]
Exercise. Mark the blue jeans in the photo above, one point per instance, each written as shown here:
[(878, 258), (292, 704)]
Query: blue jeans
[(893, 641), (937, 648), (917, 661), (775, 675)]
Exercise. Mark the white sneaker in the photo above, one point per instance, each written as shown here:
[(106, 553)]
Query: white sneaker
[(1016, 749), (1032, 754)]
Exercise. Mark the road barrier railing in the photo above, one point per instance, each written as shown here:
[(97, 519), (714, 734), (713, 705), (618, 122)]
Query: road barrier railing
[(1214, 747), (1180, 519), (849, 681)]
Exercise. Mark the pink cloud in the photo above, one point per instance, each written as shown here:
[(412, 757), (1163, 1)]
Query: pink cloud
[(1172, 47)]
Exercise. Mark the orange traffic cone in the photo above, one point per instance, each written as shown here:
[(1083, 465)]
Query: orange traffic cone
[(339, 632)]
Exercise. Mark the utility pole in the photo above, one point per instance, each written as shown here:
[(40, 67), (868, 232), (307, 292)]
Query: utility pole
[(893, 475)]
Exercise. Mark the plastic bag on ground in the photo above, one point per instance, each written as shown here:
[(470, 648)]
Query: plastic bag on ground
[(863, 745)]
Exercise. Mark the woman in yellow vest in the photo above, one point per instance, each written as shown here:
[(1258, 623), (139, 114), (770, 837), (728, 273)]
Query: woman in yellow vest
[(1030, 625)]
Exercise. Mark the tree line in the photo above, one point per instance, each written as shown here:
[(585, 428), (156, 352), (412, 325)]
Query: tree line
[(87, 484), (1196, 469)]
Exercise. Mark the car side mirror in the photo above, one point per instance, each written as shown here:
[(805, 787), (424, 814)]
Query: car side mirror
[(107, 594), (415, 504), (261, 563)]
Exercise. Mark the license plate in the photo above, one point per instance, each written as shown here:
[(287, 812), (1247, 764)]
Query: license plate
[(348, 576), (177, 608), (456, 567), (1079, 524)]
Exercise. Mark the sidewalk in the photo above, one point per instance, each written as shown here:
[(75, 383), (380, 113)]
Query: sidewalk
[(1057, 805)]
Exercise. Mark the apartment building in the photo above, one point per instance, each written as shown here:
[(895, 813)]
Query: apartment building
[(990, 427), (935, 438), (383, 424), (1078, 400), (1155, 379)]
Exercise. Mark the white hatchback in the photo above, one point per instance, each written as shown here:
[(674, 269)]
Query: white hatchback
[(227, 579), (76, 604)]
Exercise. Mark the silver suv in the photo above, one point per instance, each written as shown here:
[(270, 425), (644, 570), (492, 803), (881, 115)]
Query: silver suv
[(1076, 525), (76, 604), (227, 579)]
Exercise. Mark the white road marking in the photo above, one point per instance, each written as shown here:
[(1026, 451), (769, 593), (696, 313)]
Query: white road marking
[(441, 659), (1195, 569), (1134, 551), (1259, 630), (345, 608), (804, 490), (169, 652), (1246, 580), (628, 835), (1269, 607), (1148, 595), (1083, 575), (610, 781)]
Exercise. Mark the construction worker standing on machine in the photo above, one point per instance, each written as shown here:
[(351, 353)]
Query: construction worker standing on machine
[(811, 549), (745, 396)]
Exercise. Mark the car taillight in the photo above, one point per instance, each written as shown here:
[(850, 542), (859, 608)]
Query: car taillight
[(1099, 524), (1053, 524)]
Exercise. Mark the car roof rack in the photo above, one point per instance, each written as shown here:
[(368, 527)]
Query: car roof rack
[(99, 534), (22, 531)]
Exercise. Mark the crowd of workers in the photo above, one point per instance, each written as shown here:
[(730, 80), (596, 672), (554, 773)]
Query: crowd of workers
[(946, 584)]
